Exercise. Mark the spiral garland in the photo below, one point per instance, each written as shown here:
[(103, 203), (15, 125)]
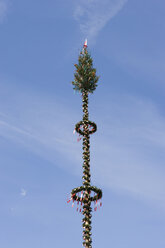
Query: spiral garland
[(86, 176), (85, 82)]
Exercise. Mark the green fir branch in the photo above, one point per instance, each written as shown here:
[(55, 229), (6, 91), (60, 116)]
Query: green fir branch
[(85, 78)]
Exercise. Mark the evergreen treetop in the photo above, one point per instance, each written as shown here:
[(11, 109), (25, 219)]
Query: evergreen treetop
[(85, 78)]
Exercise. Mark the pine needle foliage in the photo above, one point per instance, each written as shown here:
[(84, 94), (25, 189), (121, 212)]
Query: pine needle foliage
[(85, 78)]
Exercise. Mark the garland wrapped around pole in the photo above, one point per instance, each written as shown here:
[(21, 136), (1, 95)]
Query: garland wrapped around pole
[(85, 82)]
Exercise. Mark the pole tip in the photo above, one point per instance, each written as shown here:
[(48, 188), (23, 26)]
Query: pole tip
[(85, 43)]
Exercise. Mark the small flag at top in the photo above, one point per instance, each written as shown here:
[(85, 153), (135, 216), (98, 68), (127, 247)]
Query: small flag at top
[(85, 43)]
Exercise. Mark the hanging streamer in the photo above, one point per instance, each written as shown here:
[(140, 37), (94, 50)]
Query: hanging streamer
[(81, 196)]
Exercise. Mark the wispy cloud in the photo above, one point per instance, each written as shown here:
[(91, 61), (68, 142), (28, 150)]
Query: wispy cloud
[(3, 9), (23, 192), (128, 148), (140, 63), (41, 125), (46, 138), (93, 15), (131, 156)]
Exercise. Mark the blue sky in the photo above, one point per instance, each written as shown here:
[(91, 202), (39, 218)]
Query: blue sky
[(40, 158)]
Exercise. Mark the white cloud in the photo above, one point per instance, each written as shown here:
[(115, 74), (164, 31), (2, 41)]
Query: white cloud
[(40, 124), (93, 15), (139, 63), (3, 9), (131, 155), (23, 192), (127, 152)]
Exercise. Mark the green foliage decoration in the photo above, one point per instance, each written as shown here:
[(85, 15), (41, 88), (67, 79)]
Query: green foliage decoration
[(85, 78), (85, 82)]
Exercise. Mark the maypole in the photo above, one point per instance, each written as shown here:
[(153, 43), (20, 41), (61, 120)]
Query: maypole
[(85, 82)]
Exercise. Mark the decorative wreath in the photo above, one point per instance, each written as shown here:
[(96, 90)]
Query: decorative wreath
[(92, 127), (82, 189)]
